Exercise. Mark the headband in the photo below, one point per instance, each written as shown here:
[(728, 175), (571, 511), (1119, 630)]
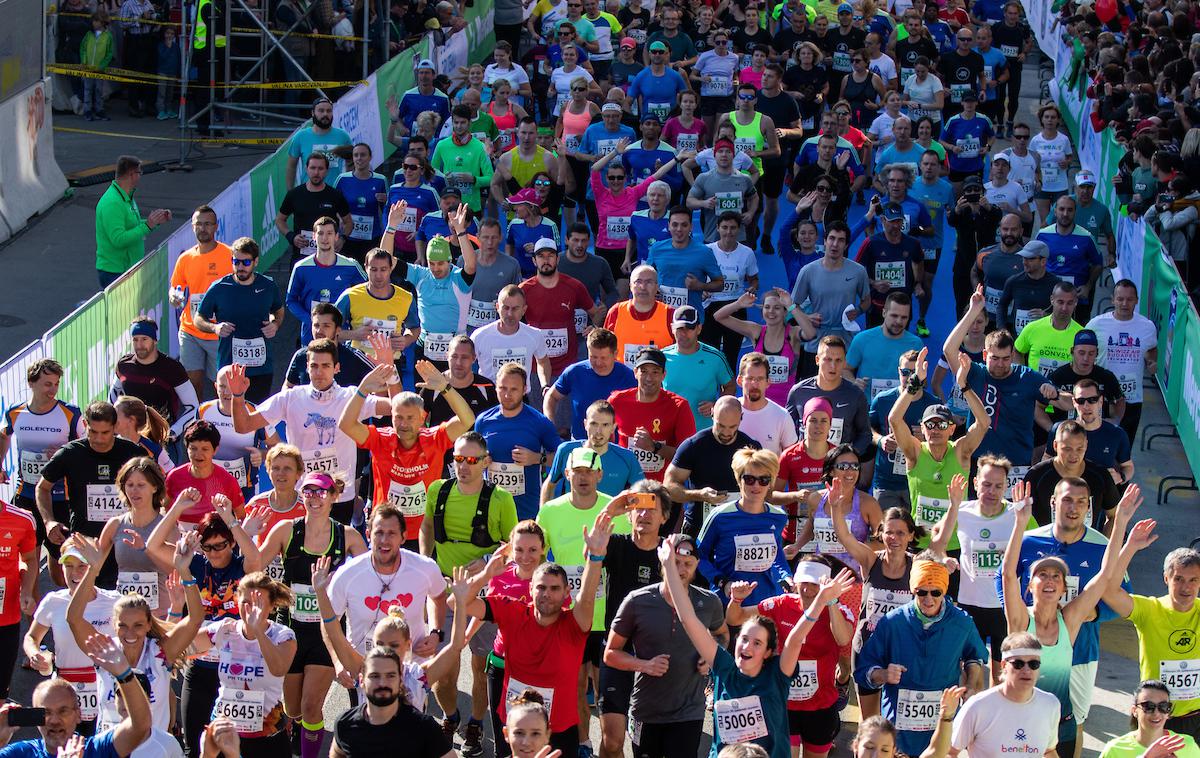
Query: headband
[(144, 329), (1020, 651), (926, 573)]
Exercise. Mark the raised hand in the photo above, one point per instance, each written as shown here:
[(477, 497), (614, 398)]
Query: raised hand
[(834, 587), (1129, 504), (224, 508), (458, 220), (224, 736), (923, 364), (185, 548), (739, 591), (1022, 498), (596, 539), (187, 498), (175, 593), (460, 587), (952, 697), (963, 370), (397, 213), (977, 300), (320, 572), (434, 380), (1142, 535), (1166, 746), (88, 546), (254, 616), (74, 747), (107, 654), (382, 352), (238, 381), (958, 488), (256, 519)]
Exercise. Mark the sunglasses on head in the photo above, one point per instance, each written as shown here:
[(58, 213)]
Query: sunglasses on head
[(215, 546), (1034, 665), (1088, 400), (470, 460), (763, 481), (243, 262), (1163, 707), (937, 423), (928, 593), (846, 466)]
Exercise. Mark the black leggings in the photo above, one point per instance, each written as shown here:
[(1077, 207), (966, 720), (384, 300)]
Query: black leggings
[(680, 739), (1009, 92), (275, 746), (495, 682), (721, 337), (10, 643), (200, 685), (1132, 420)]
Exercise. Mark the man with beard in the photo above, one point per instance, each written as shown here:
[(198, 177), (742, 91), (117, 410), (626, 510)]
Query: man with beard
[(478, 391), (244, 310), (386, 719), (407, 458), (195, 271), (155, 378), (764, 420), (701, 472), (1074, 256), (309, 202), (421, 98), (322, 138), (463, 159), (584, 382), (873, 355), (552, 299), (998, 263)]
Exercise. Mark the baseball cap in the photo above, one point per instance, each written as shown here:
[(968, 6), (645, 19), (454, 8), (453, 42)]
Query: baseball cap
[(659, 45), (69, 550), (425, 63), (565, 22), (451, 190), (545, 243), (893, 212), (685, 544), (610, 108), (629, 42), (527, 195), (583, 458), (723, 144), (1001, 157), (651, 117), (1050, 560), (811, 572), (320, 478), (938, 412), (1034, 249), (651, 356), (972, 181), (845, 8), (685, 315), (1086, 337), (1085, 177), (438, 249)]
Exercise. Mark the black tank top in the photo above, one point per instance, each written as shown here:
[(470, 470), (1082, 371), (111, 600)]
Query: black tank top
[(880, 595), (297, 571)]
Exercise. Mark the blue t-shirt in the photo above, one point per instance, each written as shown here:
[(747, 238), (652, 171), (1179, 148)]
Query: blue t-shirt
[(365, 210), (413, 104), (988, 10), (100, 746), (994, 64), (971, 136), (656, 94), (599, 141), (621, 469), (1009, 403), (674, 265), (697, 377), (441, 303), (943, 37), (246, 306), (936, 198), (1072, 255), (640, 162), (886, 476), (529, 429), (521, 234), (893, 154), (770, 686), (646, 231), (1107, 445), (306, 142), (434, 224), (584, 386), (875, 355), (423, 197), (313, 282), (892, 263)]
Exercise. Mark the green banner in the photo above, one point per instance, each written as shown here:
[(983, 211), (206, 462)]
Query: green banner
[(268, 185), (481, 30), (1186, 383), (139, 292), (78, 344), (393, 80)]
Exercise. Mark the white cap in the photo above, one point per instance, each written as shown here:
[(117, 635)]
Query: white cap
[(811, 572), (545, 243)]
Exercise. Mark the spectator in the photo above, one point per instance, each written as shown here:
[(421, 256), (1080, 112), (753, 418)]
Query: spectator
[(120, 230)]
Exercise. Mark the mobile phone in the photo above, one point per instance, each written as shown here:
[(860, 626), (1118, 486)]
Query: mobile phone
[(643, 501), (20, 717)]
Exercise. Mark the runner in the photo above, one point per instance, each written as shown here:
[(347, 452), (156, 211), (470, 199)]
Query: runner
[(802, 466), (377, 305), (776, 338), (476, 389), (321, 276), (889, 484), (409, 457), (285, 467), (143, 492), (17, 546), (239, 454), (651, 421), (352, 363), (620, 465), (587, 381), (642, 321), (860, 511), (1151, 704), (202, 440), (764, 420), (154, 377), (510, 340), (196, 269)]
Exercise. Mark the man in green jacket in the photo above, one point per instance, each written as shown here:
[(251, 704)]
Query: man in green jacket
[(120, 229)]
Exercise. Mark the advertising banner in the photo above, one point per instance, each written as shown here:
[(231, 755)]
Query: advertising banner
[(78, 343)]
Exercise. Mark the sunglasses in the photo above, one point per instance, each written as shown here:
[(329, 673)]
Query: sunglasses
[(762, 481), (243, 262), (470, 460), (1088, 400), (824, 188), (579, 89), (541, 183), (939, 424), (847, 466), (658, 52), (616, 177), (412, 167), (907, 371), (747, 98), (1148, 707), (313, 491), (928, 593), (841, 113), (1020, 136), (215, 547), (966, 39), (568, 35), (1034, 665)]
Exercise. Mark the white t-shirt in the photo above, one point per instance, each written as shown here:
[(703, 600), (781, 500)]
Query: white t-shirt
[(707, 162), (153, 664), (881, 129), (52, 613), (240, 663), (1051, 151), (1023, 170), (991, 724), (312, 425), (515, 76), (770, 426), (562, 84), (983, 541), (1123, 348), (735, 267), (495, 349), (158, 745), (1012, 193), (885, 67), (924, 93), (358, 591)]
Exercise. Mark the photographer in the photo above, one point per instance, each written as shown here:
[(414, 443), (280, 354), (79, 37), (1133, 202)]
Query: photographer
[(1174, 215), (976, 221)]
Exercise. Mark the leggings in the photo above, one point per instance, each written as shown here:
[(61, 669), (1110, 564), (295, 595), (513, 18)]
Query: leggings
[(495, 682), (721, 337), (199, 695), (1009, 92), (1132, 420)]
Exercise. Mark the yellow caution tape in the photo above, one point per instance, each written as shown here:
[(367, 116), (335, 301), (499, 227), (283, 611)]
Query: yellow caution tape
[(242, 29), (137, 77), (222, 140)]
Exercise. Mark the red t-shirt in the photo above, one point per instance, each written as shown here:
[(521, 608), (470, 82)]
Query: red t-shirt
[(544, 657), (508, 584), (219, 482), (273, 516), (668, 419), (402, 475), (819, 646), (553, 310), (800, 471), (18, 534)]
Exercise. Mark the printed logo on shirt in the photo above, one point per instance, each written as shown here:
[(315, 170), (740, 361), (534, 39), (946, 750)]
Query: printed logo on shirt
[(1182, 641), (104, 471)]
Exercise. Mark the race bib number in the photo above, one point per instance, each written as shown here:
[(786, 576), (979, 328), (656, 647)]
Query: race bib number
[(605, 146), (753, 552), (804, 682), (1072, 589), (103, 502), (825, 537), (883, 385), (505, 138), (968, 148), (918, 710), (835, 431), (930, 510), (251, 352), (892, 272), (957, 91), (617, 228), (517, 355), (631, 351), (687, 143), (659, 109), (1010, 51), (304, 604), (384, 325), (436, 345), (581, 320), (237, 469), (1015, 474), (731, 289), (650, 461), (808, 124), (638, 36), (409, 222), (143, 583), (674, 297), (409, 498), (307, 239), (194, 304), (561, 100), (509, 477), (31, 464), (1131, 387), (778, 370), (899, 463), (557, 341), (729, 201), (841, 61), (881, 602), (745, 144), (480, 313), (89, 699), (575, 582), (929, 253), (716, 86), (573, 141), (275, 569), (516, 689), (243, 707), (1181, 677), (364, 226), (1023, 319), (991, 299), (985, 560), (323, 459), (740, 719)]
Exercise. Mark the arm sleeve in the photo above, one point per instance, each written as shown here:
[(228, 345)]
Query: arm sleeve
[(188, 403)]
